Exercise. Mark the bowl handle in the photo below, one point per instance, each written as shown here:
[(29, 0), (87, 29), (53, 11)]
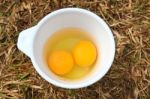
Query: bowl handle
[(25, 40)]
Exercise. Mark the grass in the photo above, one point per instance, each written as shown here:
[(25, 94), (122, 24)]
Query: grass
[(129, 77)]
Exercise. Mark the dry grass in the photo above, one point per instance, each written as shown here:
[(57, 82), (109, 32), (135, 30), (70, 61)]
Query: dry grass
[(129, 77)]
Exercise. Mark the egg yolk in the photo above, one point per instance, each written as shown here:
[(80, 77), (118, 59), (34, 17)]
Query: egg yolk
[(60, 62), (84, 53)]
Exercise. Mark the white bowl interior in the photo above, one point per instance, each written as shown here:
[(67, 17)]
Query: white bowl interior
[(97, 29)]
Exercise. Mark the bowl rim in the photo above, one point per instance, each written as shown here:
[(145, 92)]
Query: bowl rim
[(90, 82)]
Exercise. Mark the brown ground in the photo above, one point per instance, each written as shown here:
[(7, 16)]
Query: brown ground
[(129, 77)]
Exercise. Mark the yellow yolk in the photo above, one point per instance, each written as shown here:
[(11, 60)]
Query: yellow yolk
[(60, 62), (84, 53)]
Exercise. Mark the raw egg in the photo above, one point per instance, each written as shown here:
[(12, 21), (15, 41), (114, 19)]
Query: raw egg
[(84, 53), (61, 62)]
